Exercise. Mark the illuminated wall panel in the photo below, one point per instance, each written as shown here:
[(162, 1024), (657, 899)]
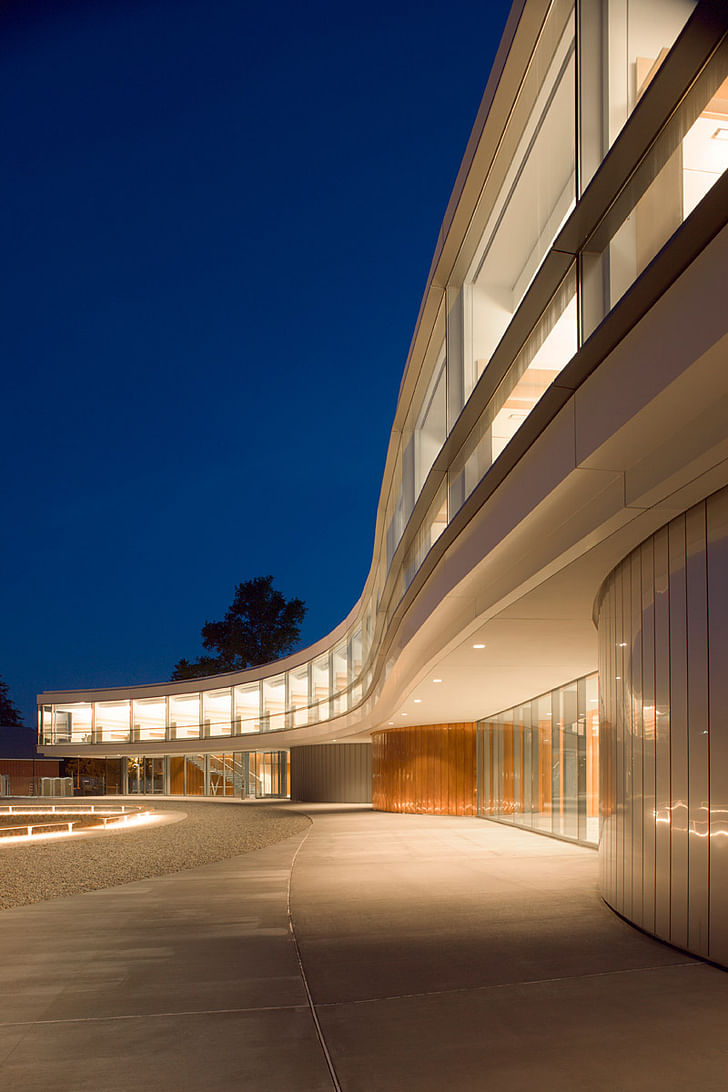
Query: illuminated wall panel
[(425, 769)]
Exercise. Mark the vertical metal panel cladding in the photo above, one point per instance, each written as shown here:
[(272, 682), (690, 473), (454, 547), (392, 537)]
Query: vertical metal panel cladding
[(332, 773), (717, 538), (425, 768), (663, 663)]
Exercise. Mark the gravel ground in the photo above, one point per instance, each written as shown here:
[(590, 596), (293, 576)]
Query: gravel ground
[(210, 832)]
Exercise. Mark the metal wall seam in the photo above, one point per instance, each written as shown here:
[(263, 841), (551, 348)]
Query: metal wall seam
[(663, 787), (678, 735), (698, 750), (636, 702), (646, 555), (717, 588)]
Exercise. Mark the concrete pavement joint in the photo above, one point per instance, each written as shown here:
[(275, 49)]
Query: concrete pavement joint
[(319, 1030), (509, 985), (154, 1015)]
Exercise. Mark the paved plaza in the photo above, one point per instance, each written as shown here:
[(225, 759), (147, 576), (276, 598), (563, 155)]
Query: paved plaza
[(435, 953)]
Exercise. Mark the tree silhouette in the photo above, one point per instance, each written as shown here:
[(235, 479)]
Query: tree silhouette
[(9, 715), (259, 626)]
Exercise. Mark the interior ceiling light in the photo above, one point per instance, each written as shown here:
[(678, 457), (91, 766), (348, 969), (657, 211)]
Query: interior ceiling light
[(418, 701), (437, 680), (403, 714), (478, 646)]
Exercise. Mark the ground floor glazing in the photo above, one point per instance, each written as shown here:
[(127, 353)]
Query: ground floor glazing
[(538, 764), (255, 774)]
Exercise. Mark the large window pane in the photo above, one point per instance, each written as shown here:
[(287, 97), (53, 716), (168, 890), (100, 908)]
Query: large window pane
[(431, 427), (535, 198), (541, 762), (355, 654), (149, 719), (550, 346), (184, 716), (274, 703), (247, 708), (217, 712), (639, 37), (112, 721), (685, 162), (340, 666), (299, 696), (565, 761), (194, 775), (321, 687), (221, 775), (73, 722), (592, 758), (45, 724), (538, 764)]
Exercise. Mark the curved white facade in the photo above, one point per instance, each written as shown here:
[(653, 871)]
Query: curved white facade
[(564, 397)]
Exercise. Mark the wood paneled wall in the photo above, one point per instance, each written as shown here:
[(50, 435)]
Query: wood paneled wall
[(428, 769)]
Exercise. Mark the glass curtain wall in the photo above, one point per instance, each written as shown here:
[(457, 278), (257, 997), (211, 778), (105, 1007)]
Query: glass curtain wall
[(145, 775), (538, 764), (684, 163), (149, 719), (247, 708), (546, 155), (535, 196), (548, 349), (638, 35)]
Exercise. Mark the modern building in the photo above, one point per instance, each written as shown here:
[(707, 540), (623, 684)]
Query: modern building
[(543, 635)]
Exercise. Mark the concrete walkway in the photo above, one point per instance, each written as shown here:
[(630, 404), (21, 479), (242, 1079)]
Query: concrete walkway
[(439, 953)]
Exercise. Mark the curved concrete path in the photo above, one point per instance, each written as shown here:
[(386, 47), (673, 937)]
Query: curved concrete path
[(439, 953)]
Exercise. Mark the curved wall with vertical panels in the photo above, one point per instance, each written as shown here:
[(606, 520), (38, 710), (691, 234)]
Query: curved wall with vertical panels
[(427, 769), (663, 647)]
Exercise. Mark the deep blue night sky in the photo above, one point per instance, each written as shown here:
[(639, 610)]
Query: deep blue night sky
[(218, 219)]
